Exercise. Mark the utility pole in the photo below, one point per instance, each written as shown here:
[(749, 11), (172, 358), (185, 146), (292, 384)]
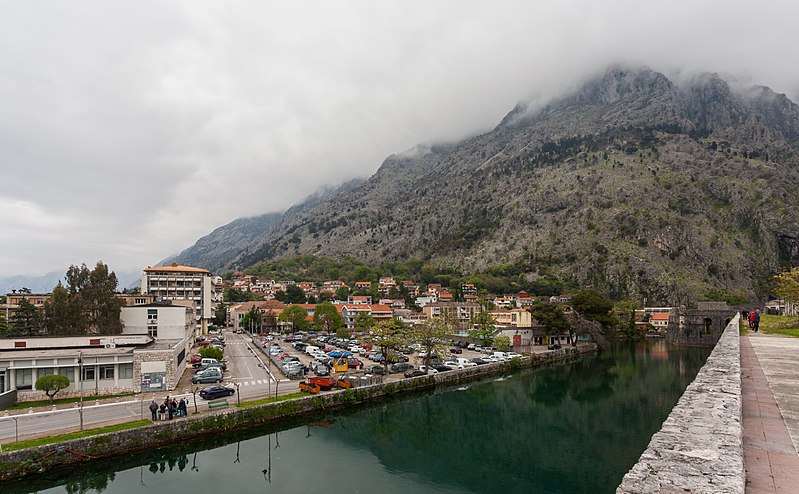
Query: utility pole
[(80, 378)]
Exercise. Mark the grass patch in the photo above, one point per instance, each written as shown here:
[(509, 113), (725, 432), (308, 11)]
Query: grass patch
[(64, 401), (782, 325), (248, 404), (31, 443)]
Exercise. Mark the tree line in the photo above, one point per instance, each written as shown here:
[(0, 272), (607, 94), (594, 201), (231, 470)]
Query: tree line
[(85, 304)]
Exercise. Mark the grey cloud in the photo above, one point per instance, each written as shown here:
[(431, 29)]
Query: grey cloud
[(128, 130)]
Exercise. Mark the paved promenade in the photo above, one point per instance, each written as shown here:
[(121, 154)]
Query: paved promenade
[(770, 389)]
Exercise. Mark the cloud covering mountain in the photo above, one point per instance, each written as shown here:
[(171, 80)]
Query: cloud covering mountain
[(129, 130)]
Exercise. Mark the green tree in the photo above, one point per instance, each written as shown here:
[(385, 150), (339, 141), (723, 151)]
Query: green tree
[(786, 285), (502, 342), (211, 352), (27, 320), (595, 307), (252, 320), (235, 295), (388, 336), (3, 325), (327, 318), (52, 384), (220, 315), (294, 295), (432, 335), (296, 316), (551, 317), (62, 313), (364, 322), (483, 328), (344, 332), (343, 293), (95, 293)]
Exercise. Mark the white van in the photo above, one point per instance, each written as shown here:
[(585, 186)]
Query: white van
[(310, 349)]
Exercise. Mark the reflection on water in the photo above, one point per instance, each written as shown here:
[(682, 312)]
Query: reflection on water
[(572, 428)]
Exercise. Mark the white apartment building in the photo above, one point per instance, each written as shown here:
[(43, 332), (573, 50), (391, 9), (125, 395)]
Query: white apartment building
[(168, 283)]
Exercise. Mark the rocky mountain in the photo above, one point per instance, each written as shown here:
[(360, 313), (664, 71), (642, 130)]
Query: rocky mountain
[(633, 185), (219, 249)]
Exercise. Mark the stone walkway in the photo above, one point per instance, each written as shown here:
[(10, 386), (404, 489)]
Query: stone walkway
[(770, 386)]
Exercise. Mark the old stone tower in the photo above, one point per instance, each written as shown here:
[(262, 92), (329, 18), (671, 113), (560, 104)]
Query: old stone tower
[(699, 327)]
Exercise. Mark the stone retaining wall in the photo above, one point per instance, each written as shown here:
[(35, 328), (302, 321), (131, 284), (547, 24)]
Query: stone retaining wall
[(28, 461), (699, 448)]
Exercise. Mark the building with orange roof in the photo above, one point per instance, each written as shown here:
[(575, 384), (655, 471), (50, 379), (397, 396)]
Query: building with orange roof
[(174, 282)]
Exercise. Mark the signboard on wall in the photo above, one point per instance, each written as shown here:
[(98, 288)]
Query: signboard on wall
[(153, 381)]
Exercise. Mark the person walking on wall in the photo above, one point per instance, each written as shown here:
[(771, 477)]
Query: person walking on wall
[(756, 321), (154, 410)]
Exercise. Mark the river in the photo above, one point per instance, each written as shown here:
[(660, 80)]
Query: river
[(573, 428)]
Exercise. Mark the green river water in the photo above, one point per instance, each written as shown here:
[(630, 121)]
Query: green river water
[(573, 428)]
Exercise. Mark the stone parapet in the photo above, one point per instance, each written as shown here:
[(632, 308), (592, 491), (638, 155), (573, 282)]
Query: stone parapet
[(699, 448)]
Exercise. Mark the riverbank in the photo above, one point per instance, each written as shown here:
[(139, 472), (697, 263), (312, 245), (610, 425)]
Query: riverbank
[(80, 451)]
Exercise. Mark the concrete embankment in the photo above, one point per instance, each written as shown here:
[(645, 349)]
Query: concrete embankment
[(699, 448), (28, 461)]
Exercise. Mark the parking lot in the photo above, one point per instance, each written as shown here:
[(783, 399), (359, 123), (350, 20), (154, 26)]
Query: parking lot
[(255, 372)]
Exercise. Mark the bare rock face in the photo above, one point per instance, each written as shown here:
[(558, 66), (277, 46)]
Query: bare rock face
[(632, 185)]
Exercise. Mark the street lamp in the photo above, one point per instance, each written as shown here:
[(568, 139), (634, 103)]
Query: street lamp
[(80, 379)]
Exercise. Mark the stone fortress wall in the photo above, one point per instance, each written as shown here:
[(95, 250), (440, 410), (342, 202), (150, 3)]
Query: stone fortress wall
[(699, 448)]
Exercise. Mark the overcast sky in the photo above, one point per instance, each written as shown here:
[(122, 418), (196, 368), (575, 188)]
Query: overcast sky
[(130, 129)]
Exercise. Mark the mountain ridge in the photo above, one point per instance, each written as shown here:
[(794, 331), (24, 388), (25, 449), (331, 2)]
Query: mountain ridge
[(632, 184)]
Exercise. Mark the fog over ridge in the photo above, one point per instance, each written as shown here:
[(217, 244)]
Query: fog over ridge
[(128, 131)]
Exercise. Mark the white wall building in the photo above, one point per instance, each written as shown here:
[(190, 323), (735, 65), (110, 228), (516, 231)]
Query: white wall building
[(175, 282)]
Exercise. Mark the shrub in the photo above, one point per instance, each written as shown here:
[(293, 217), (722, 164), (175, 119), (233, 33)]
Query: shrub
[(211, 352)]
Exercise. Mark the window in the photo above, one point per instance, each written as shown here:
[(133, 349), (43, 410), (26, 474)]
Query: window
[(45, 371), (152, 314), (24, 379), (126, 371), (106, 372), (68, 372), (140, 301), (152, 330), (88, 374)]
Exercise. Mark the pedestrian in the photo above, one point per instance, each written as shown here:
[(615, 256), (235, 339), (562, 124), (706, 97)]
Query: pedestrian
[(154, 410), (182, 407), (170, 410), (162, 411), (756, 321), (752, 320)]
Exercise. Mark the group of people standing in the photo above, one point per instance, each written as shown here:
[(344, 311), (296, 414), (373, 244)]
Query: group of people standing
[(753, 318), (169, 409)]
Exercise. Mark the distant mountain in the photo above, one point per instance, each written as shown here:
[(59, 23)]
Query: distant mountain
[(219, 249), (632, 184), (46, 283)]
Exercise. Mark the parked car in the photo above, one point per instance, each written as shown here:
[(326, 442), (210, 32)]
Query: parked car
[(479, 361), (195, 359), (471, 346), (457, 350), (413, 373), (208, 376), (210, 366), (353, 363), (375, 369), (553, 346), (440, 367), (212, 392), (427, 370), (399, 367), (320, 370)]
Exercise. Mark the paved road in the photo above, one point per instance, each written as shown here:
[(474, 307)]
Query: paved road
[(779, 358)]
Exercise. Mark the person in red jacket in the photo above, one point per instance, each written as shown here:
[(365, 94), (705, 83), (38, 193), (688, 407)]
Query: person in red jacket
[(751, 319)]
